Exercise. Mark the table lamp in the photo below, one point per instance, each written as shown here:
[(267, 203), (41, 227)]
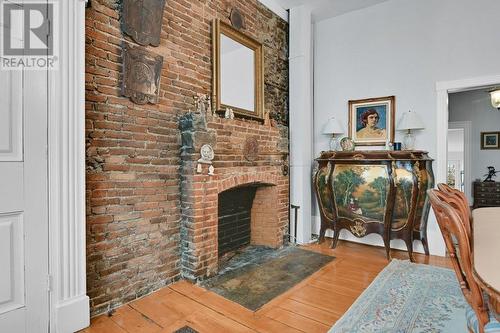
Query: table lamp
[(333, 127), (409, 121)]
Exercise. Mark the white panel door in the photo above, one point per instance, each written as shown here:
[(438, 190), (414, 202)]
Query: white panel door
[(24, 301)]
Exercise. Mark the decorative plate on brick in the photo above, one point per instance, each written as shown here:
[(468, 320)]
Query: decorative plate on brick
[(207, 154), (141, 75), (142, 20), (251, 149)]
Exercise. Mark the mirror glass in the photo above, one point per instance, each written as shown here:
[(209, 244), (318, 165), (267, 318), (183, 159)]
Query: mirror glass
[(237, 74)]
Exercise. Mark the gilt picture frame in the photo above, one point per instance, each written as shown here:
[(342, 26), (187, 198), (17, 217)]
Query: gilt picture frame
[(371, 120)]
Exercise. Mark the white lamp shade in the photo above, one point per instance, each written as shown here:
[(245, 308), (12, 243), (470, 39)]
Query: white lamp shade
[(410, 120), (495, 98), (333, 126)]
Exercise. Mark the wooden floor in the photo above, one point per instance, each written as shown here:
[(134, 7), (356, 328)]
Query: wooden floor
[(311, 306)]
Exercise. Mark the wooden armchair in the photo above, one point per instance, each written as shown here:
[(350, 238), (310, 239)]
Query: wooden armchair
[(451, 222)]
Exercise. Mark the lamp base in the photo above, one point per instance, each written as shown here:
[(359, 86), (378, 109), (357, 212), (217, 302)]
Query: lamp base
[(409, 141), (334, 144)]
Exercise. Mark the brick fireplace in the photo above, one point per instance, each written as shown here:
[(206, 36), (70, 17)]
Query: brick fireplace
[(259, 178)]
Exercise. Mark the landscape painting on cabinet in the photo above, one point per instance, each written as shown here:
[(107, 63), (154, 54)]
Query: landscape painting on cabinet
[(361, 193)]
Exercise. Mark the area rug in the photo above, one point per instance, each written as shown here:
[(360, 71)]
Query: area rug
[(410, 298), (258, 274)]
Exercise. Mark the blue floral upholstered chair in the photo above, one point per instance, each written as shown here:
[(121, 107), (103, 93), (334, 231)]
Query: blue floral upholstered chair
[(453, 223)]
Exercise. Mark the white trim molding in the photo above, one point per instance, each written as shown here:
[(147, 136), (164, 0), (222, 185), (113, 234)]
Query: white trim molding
[(69, 304)]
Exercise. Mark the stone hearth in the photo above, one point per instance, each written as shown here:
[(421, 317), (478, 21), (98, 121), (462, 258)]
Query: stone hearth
[(265, 171)]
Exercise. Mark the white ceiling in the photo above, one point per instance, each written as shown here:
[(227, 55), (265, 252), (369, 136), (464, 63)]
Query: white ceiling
[(323, 9)]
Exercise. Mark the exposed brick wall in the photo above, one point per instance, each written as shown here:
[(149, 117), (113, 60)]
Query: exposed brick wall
[(133, 151), (266, 228)]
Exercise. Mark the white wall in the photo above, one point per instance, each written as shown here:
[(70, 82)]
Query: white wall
[(402, 48), (475, 106)]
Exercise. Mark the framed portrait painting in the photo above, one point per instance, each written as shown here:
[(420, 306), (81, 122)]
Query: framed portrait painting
[(489, 140), (371, 120)]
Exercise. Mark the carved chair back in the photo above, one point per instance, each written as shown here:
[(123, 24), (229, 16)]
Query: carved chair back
[(457, 200), (451, 225)]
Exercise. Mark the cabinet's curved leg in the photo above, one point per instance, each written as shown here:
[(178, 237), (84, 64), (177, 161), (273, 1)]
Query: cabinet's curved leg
[(322, 232), (409, 247), (387, 245), (424, 242), (336, 235)]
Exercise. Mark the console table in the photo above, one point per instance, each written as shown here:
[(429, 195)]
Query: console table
[(382, 192)]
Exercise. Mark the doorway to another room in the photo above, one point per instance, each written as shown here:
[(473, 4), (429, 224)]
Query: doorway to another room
[(466, 104), (471, 115)]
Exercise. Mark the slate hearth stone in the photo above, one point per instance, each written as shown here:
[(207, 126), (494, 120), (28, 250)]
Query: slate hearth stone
[(258, 274), (186, 329)]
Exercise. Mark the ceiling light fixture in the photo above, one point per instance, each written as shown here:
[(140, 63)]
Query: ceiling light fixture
[(495, 98)]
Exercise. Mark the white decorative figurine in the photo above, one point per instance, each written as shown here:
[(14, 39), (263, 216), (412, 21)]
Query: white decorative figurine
[(229, 113)]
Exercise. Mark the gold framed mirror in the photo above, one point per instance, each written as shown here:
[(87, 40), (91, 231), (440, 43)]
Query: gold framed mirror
[(238, 72)]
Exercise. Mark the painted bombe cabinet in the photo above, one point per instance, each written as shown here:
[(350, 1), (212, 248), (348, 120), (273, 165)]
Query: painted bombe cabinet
[(382, 192)]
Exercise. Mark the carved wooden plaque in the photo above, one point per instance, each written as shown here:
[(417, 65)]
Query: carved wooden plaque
[(251, 149), (236, 19), (141, 75), (142, 20)]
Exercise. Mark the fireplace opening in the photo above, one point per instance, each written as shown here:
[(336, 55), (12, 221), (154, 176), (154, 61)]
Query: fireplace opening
[(235, 215)]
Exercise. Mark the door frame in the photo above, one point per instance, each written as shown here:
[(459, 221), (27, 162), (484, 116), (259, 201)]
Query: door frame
[(466, 126), (443, 88), (69, 304)]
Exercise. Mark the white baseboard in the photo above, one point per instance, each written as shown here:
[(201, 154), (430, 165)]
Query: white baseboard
[(72, 315), (435, 240)]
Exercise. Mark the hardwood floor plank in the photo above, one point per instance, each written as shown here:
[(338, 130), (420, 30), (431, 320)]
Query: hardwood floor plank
[(333, 301), (133, 321), (297, 321), (347, 290), (103, 324), (309, 311), (151, 306), (207, 323)]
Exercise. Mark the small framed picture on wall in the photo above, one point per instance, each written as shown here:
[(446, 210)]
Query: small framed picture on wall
[(489, 140)]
